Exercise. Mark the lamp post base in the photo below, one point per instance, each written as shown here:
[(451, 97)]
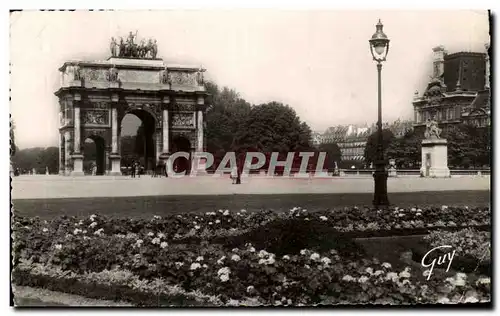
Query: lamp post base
[(380, 199)]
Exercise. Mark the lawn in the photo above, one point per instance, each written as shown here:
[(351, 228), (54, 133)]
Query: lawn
[(147, 206)]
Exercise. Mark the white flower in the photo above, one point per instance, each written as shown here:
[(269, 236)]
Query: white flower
[(444, 207), (224, 270), (200, 258), (461, 275), (210, 223), (303, 252), (235, 250), (263, 254), (315, 257), (378, 272), (45, 230), (243, 211), (151, 234), (363, 279), (405, 273), (197, 227), (179, 264), (76, 231), (262, 261), (204, 266), (271, 260), (418, 214), (164, 244), (92, 217), (226, 213), (235, 258), (307, 266), (444, 300), (348, 278), (369, 270), (483, 281), (391, 276), (84, 231), (471, 299), (386, 265), (286, 257), (251, 249), (155, 241), (157, 217), (99, 231), (250, 289), (161, 235), (224, 277), (217, 221), (221, 260), (58, 246), (413, 209), (195, 266), (323, 218)]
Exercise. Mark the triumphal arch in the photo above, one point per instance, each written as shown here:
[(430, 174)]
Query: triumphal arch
[(95, 96)]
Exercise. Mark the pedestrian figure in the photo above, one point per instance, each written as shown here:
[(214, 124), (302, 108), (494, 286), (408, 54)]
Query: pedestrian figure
[(234, 174), (133, 170)]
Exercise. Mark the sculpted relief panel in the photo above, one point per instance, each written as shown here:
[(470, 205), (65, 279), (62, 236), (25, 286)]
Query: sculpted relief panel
[(182, 120), (95, 117)]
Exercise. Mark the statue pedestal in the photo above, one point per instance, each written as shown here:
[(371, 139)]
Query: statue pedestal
[(115, 165), (392, 172), (77, 165), (435, 158)]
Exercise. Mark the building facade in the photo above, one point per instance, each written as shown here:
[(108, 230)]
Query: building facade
[(352, 139), (94, 96), (458, 92)]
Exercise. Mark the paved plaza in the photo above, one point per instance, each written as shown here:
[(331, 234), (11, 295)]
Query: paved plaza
[(53, 187)]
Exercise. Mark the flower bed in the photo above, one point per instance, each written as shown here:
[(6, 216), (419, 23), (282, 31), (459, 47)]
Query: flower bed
[(472, 247), (135, 258)]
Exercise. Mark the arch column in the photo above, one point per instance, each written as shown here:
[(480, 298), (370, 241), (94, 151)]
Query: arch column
[(61, 154), (114, 157), (165, 131), (77, 155)]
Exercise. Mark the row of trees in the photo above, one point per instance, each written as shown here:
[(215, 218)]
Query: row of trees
[(468, 147)]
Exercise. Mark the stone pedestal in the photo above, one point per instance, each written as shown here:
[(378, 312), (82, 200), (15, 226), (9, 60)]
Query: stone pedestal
[(115, 165), (77, 165), (435, 158)]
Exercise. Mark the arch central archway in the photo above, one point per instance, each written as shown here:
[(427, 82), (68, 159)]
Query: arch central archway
[(181, 143), (94, 162), (137, 139)]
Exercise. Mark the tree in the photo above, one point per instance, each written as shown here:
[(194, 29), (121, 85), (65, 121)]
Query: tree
[(407, 150), (468, 146), (370, 153), (333, 154), (274, 127), (38, 158), (225, 117)]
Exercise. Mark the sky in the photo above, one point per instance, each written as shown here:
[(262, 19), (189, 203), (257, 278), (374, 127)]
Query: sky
[(318, 62)]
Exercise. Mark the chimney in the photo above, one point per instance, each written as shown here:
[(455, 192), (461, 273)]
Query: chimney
[(438, 63)]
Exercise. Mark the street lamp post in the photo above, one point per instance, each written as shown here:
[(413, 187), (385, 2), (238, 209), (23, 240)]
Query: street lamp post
[(379, 47)]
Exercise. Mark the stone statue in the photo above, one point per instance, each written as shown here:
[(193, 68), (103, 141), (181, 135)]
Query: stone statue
[(113, 47), (76, 71), (121, 53), (113, 74), (432, 130), (154, 50), (199, 77), (143, 49), (164, 77)]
